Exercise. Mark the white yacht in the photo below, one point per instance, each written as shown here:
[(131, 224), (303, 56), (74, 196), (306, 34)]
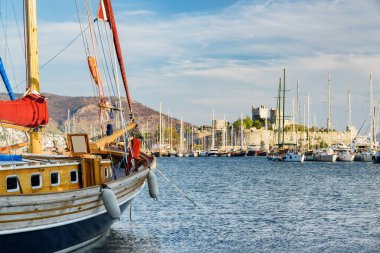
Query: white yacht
[(213, 152), (345, 155), (325, 155), (293, 157)]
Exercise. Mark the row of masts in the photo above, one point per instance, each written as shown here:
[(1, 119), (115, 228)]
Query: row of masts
[(296, 114)]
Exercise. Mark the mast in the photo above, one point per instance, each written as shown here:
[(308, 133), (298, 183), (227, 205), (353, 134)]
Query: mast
[(329, 105), (224, 132), (304, 125), (212, 131), (372, 114), (298, 113), (171, 134), (308, 121), (283, 111), (349, 113), (349, 106), (279, 112), (241, 132), (111, 18), (160, 132), (181, 137), (192, 138), (293, 119), (33, 74), (298, 116), (232, 137)]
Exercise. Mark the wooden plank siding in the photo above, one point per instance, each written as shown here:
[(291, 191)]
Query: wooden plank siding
[(31, 210)]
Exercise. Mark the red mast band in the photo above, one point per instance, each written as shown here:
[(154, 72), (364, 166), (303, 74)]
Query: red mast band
[(30, 111)]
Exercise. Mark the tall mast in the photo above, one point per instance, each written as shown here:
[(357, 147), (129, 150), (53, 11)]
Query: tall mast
[(349, 114), (349, 106), (279, 111), (171, 133), (212, 131), (329, 125), (160, 130), (371, 110), (181, 137), (224, 132), (293, 121), (308, 121), (241, 132), (304, 125), (112, 23), (232, 137), (33, 75), (192, 138), (283, 111), (298, 102)]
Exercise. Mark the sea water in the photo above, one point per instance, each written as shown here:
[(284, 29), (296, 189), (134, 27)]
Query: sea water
[(250, 204)]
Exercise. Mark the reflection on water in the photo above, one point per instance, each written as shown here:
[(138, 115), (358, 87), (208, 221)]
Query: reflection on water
[(249, 204)]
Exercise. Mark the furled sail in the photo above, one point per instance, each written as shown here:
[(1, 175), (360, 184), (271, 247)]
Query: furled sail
[(105, 13), (29, 111)]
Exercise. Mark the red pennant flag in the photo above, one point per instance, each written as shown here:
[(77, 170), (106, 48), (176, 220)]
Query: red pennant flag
[(102, 14)]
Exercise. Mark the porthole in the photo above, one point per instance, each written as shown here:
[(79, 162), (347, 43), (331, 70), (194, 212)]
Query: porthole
[(54, 178), (36, 181), (12, 184), (74, 176)]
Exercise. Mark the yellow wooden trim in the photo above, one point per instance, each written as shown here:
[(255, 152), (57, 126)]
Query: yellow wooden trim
[(14, 146), (7, 125), (119, 194), (62, 214)]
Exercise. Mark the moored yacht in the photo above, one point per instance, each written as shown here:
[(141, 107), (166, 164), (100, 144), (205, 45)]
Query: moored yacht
[(293, 157), (345, 155), (325, 155)]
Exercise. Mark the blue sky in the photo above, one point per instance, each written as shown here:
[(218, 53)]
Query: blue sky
[(198, 55)]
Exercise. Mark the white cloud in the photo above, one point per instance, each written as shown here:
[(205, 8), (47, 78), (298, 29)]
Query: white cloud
[(232, 59)]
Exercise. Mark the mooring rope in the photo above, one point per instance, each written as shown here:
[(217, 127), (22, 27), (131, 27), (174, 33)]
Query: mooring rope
[(178, 189)]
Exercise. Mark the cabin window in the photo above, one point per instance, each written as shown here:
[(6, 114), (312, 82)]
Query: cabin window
[(74, 176), (36, 181), (106, 172), (54, 178), (12, 184)]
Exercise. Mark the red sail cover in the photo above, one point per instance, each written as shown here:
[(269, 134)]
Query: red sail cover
[(29, 111)]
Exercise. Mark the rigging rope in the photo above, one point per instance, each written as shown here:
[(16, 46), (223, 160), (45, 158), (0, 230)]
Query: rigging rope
[(56, 55), (7, 48), (106, 63)]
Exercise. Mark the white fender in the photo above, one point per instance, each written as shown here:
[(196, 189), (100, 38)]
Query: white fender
[(111, 204), (152, 185)]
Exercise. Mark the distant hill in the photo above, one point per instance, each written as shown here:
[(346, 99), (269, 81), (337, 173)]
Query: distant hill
[(85, 113)]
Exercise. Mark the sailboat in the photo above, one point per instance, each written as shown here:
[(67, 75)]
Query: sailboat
[(61, 202), (366, 153), (213, 151), (240, 152), (346, 154), (223, 152), (327, 154)]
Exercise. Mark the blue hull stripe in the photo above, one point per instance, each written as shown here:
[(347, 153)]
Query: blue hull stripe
[(58, 238)]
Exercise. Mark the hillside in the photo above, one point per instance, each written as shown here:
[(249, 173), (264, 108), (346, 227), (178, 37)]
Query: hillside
[(86, 114)]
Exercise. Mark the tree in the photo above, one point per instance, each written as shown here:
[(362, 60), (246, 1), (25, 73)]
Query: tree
[(247, 123), (257, 124)]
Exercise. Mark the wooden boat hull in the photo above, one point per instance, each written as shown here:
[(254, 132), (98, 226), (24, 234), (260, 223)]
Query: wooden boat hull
[(61, 222)]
